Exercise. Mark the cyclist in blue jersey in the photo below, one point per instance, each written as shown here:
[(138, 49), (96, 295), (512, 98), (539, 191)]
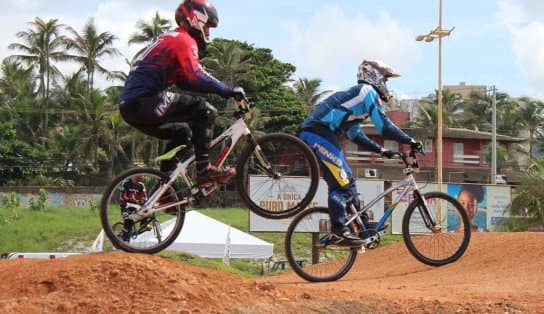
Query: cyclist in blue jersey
[(341, 114), (173, 59)]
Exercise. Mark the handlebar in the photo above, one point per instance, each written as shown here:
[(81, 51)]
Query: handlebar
[(243, 108), (408, 158)]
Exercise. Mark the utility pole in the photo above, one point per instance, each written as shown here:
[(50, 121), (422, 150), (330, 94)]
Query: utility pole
[(494, 136), (438, 33)]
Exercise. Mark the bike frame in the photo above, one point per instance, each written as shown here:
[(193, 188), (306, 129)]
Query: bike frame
[(407, 184), (231, 135)]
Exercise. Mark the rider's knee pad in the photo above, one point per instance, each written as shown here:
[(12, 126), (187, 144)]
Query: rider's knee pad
[(207, 113), (340, 196)]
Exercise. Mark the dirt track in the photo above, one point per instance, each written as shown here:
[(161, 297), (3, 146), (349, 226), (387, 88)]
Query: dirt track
[(500, 273)]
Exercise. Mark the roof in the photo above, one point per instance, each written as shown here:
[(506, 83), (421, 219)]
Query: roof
[(452, 133)]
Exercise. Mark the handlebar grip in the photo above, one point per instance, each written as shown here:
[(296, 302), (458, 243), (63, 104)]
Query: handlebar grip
[(243, 104)]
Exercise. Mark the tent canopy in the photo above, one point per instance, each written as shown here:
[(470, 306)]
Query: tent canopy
[(207, 237)]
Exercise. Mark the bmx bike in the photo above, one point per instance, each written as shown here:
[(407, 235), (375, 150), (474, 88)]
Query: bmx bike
[(435, 228), (269, 165)]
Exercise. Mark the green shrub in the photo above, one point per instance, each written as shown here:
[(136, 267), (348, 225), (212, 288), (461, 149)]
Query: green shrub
[(11, 202), (39, 205)]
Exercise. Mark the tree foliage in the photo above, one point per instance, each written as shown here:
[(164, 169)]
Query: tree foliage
[(76, 130)]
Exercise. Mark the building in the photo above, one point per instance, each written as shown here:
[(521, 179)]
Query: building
[(463, 154), (465, 90)]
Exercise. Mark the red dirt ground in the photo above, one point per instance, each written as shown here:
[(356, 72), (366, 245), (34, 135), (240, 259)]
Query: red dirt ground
[(499, 273)]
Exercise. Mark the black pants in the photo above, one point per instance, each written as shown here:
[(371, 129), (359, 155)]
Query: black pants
[(182, 119)]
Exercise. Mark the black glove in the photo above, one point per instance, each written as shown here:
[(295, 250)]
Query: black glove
[(238, 94), (417, 147), (388, 153)]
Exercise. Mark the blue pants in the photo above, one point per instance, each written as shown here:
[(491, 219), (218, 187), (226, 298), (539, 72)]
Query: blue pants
[(337, 174)]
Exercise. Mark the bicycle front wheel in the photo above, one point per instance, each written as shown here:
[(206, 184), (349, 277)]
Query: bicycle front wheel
[(278, 177), (150, 234), (447, 240), (307, 250)]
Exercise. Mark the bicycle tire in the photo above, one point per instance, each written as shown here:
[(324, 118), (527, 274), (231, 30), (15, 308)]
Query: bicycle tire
[(293, 160), (110, 213), (302, 243), (430, 247)]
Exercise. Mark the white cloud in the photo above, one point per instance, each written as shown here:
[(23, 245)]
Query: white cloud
[(331, 43), (533, 7), (115, 16), (527, 39), (528, 45)]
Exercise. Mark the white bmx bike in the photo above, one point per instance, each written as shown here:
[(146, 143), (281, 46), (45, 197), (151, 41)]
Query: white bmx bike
[(270, 165)]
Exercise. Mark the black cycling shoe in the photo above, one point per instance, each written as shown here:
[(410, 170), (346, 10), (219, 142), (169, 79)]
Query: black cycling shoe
[(345, 239), (373, 224)]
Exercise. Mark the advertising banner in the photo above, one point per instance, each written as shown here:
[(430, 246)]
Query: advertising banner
[(398, 213), (368, 190), (498, 200), (486, 206)]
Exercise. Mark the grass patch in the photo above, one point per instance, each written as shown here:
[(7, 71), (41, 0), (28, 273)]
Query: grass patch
[(55, 229), (244, 268)]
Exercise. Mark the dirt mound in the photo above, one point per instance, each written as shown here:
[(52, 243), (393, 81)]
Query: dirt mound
[(500, 273)]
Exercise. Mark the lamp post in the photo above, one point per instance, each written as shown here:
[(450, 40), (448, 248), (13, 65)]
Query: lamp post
[(438, 33)]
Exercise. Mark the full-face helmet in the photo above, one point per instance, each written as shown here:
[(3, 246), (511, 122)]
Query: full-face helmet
[(376, 74), (200, 15)]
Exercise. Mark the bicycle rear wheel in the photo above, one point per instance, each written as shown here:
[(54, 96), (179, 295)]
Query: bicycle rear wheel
[(446, 242), (150, 234), (278, 179), (307, 252)]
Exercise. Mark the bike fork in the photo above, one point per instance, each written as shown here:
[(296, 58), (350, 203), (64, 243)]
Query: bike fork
[(426, 215)]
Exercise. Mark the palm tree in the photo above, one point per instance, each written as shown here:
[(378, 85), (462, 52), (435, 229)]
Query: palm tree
[(531, 113), (94, 123), (13, 80), (529, 193), (116, 139), (477, 113), (66, 139), (89, 48), (308, 91), (18, 98), (66, 91), (42, 43), (149, 31), (428, 107), (226, 61)]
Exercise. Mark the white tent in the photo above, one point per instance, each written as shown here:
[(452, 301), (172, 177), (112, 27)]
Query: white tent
[(207, 237)]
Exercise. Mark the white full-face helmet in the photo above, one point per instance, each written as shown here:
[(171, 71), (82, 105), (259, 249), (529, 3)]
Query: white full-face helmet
[(376, 73)]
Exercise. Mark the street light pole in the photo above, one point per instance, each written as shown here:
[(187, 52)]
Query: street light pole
[(438, 33), (440, 105)]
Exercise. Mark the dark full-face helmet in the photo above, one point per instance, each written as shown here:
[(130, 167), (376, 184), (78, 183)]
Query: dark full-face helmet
[(200, 15), (376, 74)]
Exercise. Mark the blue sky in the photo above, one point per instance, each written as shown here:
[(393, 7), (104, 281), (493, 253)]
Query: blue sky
[(495, 42)]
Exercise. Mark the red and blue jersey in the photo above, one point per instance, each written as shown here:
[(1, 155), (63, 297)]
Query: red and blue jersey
[(171, 59)]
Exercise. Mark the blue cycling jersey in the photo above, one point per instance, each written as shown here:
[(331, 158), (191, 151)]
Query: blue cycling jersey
[(342, 113)]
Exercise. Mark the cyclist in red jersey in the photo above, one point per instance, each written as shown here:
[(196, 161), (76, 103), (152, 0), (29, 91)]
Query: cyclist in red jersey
[(173, 59)]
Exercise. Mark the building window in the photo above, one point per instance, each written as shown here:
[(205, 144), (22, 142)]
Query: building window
[(391, 145), (351, 147), (458, 152), (428, 143)]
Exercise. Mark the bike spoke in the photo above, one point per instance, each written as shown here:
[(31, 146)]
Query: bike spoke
[(308, 252), (435, 246), (151, 232)]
